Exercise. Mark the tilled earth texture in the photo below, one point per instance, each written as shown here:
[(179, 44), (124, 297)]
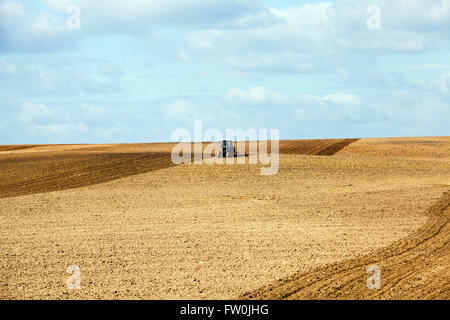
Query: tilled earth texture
[(139, 227)]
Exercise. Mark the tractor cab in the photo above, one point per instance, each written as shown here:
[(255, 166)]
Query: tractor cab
[(227, 149)]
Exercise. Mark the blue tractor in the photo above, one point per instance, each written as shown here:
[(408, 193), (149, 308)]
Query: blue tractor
[(227, 150)]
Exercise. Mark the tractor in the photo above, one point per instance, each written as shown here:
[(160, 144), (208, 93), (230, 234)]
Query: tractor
[(227, 150)]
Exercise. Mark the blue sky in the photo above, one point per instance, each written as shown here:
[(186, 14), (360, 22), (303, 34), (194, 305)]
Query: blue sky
[(137, 70)]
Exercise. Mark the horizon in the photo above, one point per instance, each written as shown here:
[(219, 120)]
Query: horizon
[(217, 141)]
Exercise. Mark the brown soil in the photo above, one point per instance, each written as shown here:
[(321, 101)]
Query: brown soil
[(23, 174), (402, 148), (314, 147), (413, 268), (16, 147), (58, 167), (416, 267), (219, 231)]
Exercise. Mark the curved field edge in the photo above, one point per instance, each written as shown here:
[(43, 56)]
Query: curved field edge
[(416, 267), (25, 174)]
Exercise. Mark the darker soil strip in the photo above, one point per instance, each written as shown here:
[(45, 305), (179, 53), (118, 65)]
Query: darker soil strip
[(16, 147), (415, 267), (326, 147), (24, 174)]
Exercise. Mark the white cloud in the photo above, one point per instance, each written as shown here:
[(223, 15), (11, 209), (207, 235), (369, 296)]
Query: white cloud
[(428, 66), (92, 111), (242, 34), (439, 12), (36, 78), (443, 84), (182, 110), (316, 37), (342, 98), (330, 107), (31, 113), (256, 96), (11, 10), (109, 69), (295, 44), (262, 95), (58, 131), (137, 15), (25, 30), (8, 69), (42, 25)]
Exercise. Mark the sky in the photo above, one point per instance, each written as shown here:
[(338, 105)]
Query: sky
[(135, 71)]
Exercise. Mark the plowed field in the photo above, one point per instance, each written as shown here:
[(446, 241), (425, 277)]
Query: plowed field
[(140, 227), (59, 167)]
